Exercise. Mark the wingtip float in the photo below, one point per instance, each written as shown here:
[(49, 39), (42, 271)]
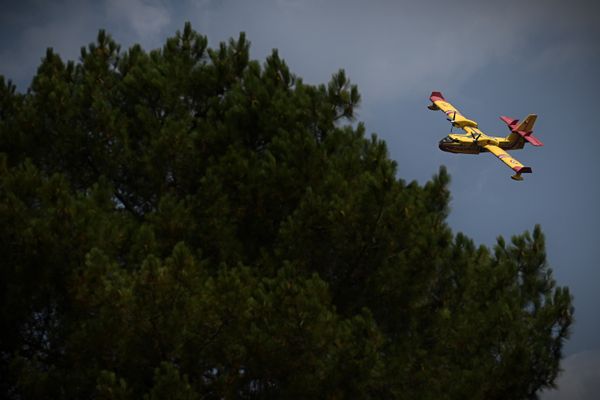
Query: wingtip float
[(474, 141)]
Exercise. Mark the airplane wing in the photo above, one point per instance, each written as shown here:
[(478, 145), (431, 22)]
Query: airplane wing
[(512, 163), (438, 102)]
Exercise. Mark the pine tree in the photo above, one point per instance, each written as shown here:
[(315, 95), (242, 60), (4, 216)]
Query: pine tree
[(191, 223)]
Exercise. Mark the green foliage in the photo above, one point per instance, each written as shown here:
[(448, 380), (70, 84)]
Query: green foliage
[(188, 223)]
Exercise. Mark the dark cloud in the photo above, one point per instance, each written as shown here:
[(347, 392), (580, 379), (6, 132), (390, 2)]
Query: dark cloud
[(27, 28)]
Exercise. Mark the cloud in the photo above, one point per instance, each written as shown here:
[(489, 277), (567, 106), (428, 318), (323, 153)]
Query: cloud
[(559, 56), (580, 379), (147, 18), (63, 25), (390, 48), (29, 27)]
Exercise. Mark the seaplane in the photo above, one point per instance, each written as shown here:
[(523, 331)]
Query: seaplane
[(474, 141)]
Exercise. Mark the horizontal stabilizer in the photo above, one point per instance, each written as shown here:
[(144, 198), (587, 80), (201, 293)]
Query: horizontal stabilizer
[(533, 140), (512, 123)]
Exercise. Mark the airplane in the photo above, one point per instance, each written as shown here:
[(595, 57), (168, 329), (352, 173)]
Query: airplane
[(475, 141)]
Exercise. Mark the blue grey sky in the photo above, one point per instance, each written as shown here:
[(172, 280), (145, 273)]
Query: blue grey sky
[(489, 58)]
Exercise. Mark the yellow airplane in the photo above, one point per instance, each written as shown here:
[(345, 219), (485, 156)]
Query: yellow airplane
[(475, 141)]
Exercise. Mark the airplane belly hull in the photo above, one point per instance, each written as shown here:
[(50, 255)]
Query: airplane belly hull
[(460, 149)]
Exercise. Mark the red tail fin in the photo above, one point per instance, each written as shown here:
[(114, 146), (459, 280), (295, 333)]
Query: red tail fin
[(523, 129)]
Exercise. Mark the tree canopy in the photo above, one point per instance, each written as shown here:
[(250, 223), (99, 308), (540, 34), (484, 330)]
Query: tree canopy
[(191, 223)]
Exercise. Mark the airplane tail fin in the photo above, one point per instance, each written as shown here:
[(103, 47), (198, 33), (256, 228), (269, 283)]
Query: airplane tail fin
[(522, 129)]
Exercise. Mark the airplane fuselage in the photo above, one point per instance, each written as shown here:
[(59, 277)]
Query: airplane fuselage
[(466, 144)]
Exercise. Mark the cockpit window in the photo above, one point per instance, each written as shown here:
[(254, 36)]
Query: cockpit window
[(447, 139)]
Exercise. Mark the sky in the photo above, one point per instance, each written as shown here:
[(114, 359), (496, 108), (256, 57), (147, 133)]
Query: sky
[(489, 58)]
